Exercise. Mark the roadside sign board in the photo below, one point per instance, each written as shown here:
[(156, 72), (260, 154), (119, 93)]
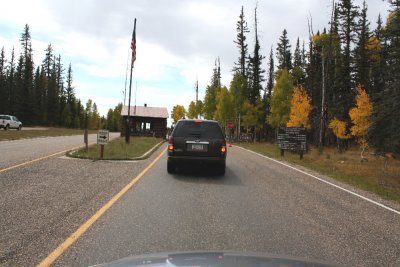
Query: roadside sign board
[(102, 137), (230, 125), (292, 138)]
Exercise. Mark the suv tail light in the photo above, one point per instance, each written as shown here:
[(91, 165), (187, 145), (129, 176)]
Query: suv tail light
[(170, 144), (223, 147)]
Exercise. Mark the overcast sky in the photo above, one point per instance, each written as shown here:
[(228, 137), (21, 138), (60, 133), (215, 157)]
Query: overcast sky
[(177, 41)]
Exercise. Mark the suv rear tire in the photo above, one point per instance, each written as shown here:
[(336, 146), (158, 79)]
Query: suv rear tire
[(6, 128), (221, 170), (170, 167)]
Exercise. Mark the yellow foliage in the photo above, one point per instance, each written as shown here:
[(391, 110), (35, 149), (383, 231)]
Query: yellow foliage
[(391, 17), (339, 129), (178, 112), (361, 116), (316, 39), (324, 39), (374, 47), (373, 44), (300, 108)]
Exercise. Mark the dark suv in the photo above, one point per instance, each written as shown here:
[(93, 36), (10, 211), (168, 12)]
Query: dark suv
[(197, 141)]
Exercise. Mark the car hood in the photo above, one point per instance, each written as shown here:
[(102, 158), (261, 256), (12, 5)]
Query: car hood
[(214, 258)]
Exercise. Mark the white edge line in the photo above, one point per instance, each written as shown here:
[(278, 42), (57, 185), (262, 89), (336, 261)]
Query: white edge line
[(324, 181)]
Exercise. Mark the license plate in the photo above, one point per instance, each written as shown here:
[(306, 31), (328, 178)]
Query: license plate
[(197, 147)]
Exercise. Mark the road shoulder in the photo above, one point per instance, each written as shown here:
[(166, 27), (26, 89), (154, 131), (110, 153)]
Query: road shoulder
[(329, 181)]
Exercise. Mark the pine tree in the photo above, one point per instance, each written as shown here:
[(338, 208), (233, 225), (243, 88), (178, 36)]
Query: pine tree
[(270, 82), (216, 77), (11, 86), (303, 56), (110, 120), (283, 53), (242, 29), (298, 72), (334, 69), (391, 95), (42, 87), (314, 85), (95, 122), (40, 92), (53, 105), (378, 134), (48, 61), (212, 91), (88, 114), (80, 118), (3, 88), (37, 92), (69, 90), (347, 15), (60, 79), (326, 46), (66, 117), (256, 73), (297, 54), (25, 109), (117, 117), (361, 51)]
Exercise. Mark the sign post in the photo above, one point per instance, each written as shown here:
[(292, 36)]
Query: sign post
[(292, 138), (230, 125), (85, 139), (102, 139)]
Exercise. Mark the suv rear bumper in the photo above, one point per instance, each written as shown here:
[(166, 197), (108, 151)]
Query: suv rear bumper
[(197, 160)]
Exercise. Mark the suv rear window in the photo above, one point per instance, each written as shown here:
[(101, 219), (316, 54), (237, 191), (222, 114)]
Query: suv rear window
[(201, 129)]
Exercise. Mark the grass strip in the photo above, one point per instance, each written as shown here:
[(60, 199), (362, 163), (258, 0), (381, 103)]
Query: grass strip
[(117, 149), (25, 134)]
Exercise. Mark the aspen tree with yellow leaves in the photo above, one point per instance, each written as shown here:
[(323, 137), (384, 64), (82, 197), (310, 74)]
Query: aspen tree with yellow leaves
[(339, 129), (300, 109), (178, 112), (361, 118)]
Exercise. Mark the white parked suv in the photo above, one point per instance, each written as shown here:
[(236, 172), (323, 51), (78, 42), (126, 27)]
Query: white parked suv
[(10, 122)]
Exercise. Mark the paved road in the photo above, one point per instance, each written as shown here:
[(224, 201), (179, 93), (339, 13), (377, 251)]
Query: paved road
[(19, 151), (43, 202), (258, 206)]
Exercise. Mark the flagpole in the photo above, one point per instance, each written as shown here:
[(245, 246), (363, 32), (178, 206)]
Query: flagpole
[(133, 46)]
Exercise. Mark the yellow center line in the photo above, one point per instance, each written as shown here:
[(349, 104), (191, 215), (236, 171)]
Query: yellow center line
[(38, 159), (84, 227)]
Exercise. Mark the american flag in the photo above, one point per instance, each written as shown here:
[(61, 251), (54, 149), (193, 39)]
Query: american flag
[(133, 44)]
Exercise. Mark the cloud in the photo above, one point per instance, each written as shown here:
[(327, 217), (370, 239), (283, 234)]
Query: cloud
[(177, 41), (17, 13)]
